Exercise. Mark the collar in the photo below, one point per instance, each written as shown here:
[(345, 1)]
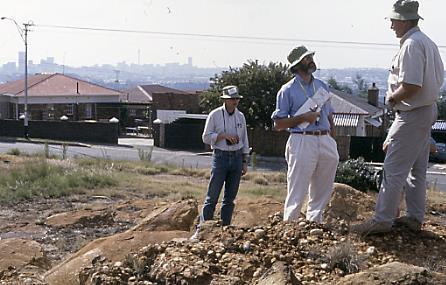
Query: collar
[(226, 111), (298, 77), (408, 34)]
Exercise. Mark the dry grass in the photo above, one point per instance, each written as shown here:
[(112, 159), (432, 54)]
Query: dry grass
[(345, 257), (41, 177)]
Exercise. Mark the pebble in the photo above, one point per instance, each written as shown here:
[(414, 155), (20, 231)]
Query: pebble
[(316, 232), (260, 233), (371, 250)]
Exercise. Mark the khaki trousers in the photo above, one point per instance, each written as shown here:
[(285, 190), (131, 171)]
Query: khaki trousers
[(405, 164)]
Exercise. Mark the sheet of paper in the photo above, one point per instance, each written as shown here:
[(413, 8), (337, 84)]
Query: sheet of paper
[(314, 104)]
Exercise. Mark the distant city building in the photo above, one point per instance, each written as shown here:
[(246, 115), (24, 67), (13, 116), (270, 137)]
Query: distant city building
[(21, 60)]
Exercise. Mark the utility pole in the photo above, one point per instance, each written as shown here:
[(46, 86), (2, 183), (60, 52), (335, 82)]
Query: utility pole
[(24, 35)]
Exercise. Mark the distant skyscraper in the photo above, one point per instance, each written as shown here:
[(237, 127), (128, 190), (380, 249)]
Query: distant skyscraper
[(189, 61), (21, 65)]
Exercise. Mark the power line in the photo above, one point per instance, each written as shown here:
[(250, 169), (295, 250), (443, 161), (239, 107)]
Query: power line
[(215, 36)]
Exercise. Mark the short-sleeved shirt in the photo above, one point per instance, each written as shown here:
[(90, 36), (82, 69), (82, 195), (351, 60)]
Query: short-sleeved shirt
[(418, 62), (293, 95), (220, 121)]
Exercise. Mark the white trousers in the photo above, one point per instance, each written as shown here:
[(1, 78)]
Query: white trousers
[(312, 162)]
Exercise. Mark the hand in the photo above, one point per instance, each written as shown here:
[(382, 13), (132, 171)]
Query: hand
[(390, 100), (244, 168), (311, 117), (234, 139)]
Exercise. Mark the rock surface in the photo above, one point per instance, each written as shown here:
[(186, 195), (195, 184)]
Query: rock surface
[(394, 273)]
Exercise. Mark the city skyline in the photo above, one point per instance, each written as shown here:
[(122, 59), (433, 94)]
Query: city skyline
[(344, 33)]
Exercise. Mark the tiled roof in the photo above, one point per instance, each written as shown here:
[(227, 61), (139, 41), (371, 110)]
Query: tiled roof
[(136, 95), (143, 93), (55, 85), (351, 104), (156, 88)]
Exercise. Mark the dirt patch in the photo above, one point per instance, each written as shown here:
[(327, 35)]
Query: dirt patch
[(129, 240)]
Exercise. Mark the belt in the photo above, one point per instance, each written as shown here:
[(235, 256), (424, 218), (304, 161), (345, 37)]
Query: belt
[(313, 133), (229, 151)]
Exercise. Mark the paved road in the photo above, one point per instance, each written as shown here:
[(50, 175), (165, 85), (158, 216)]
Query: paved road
[(128, 149)]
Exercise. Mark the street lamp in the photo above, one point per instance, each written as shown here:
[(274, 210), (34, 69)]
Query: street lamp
[(24, 35)]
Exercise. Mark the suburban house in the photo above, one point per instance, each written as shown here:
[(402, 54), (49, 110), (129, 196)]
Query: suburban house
[(358, 116), (53, 96), (146, 103)]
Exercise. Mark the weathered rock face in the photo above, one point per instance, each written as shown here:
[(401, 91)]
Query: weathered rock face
[(84, 217), (164, 224), (18, 253), (394, 273), (178, 216), (278, 274), (274, 252)]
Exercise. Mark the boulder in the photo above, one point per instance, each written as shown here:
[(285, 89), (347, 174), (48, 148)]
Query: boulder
[(84, 218), (394, 273), (178, 216), (278, 274), (17, 253)]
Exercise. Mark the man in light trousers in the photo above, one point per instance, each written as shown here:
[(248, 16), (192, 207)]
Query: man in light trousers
[(311, 151), (414, 83)]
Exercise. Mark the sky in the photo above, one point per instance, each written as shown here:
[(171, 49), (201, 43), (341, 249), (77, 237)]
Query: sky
[(215, 33)]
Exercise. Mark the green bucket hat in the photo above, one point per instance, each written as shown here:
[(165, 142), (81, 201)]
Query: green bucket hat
[(297, 54), (230, 92), (405, 10)]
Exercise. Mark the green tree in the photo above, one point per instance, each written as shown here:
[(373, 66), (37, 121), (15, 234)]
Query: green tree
[(257, 83), (361, 85), (335, 85)]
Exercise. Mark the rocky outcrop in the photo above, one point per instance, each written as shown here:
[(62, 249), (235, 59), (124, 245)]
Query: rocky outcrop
[(18, 253), (164, 224), (394, 273), (279, 274)]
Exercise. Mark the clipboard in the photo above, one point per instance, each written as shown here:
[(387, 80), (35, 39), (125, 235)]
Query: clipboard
[(313, 104)]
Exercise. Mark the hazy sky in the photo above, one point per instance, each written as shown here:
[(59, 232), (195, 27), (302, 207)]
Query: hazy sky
[(296, 21)]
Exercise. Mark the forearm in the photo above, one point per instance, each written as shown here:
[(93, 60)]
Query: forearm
[(404, 92), (291, 122)]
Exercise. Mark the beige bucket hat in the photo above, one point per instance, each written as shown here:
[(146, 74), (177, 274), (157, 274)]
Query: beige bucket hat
[(297, 54)]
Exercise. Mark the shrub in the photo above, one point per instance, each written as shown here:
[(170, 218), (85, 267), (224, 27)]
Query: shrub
[(345, 257), (14, 151), (357, 174)]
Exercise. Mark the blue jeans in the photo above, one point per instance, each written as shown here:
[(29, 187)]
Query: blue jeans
[(227, 170)]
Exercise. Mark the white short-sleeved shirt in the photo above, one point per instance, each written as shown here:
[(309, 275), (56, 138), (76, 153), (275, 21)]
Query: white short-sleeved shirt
[(418, 62), (220, 121)]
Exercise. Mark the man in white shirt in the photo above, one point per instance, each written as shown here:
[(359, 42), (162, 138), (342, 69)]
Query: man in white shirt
[(414, 84), (225, 131)]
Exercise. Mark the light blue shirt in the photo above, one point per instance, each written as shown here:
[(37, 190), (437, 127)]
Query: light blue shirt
[(292, 96)]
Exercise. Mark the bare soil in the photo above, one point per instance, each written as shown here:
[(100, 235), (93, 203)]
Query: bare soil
[(37, 236)]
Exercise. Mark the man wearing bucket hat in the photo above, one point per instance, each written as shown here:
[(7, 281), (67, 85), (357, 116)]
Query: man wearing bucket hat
[(414, 83), (225, 130), (311, 152)]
